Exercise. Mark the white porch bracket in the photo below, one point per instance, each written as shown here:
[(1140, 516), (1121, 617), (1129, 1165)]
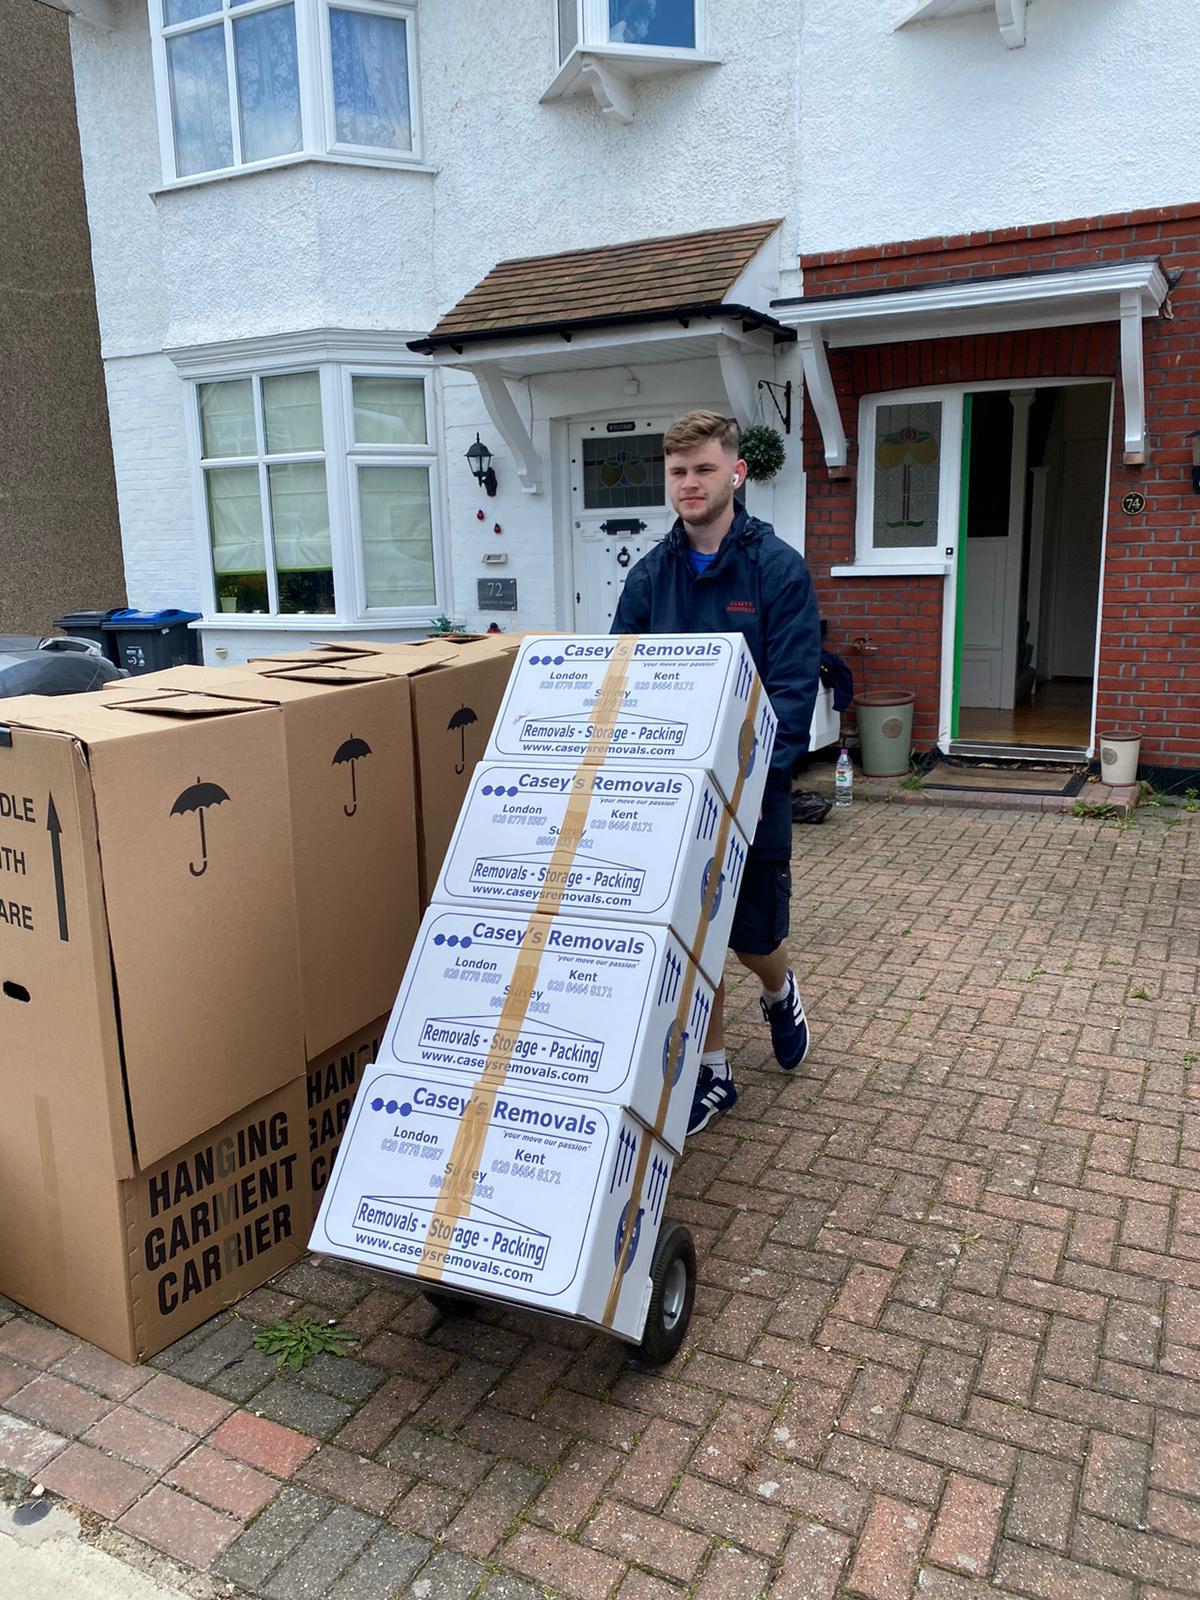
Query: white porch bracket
[(99, 13), (1010, 15), (1133, 377), (612, 89), (735, 375), (821, 392), (501, 408)]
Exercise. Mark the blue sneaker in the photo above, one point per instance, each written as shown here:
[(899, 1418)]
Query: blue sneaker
[(713, 1096), (789, 1027)]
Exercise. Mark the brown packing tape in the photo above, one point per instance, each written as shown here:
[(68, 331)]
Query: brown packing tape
[(457, 1191), (685, 999)]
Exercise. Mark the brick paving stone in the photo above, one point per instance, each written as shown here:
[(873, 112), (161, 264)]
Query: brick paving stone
[(312, 1280), (95, 1480), (713, 1509), (535, 1443), (448, 1576), (144, 1440), (383, 1568), (1114, 1480), (650, 1541), (270, 1538), (870, 1466), (322, 1556), (291, 1402), (492, 1508), (580, 1480), (560, 1564), (96, 1369), (446, 1461), (1051, 1577), (642, 1586), (35, 1345), (657, 1459), (26, 1448), (343, 1377), (216, 1349), (375, 1422), (263, 1443), (500, 1586), (181, 1403), (812, 1564), (944, 1384), (13, 1376), (181, 1526), (967, 1526), (364, 1483), (223, 1483), (1176, 1460), (426, 1509), (733, 1575), (733, 1444), (57, 1405), (886, 1556), (1042, 1508)]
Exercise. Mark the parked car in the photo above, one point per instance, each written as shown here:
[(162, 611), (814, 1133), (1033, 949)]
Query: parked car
[(29, 665)]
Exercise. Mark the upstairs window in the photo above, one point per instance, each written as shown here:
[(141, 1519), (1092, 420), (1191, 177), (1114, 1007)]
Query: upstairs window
[(245, 82), (640, 24)]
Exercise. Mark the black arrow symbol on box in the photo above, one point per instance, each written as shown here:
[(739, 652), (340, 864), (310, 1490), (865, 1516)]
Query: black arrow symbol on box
[(54, 828)]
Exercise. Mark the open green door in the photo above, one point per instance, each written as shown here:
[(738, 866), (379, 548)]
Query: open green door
[(960, 565)]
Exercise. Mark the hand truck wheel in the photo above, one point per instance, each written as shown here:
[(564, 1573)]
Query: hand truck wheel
[(672, 1294)]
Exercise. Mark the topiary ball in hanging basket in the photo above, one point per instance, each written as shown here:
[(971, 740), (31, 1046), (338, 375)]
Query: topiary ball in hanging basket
[(762, 451)]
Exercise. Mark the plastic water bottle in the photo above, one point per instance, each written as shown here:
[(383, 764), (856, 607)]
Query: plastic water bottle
[(843, 780)]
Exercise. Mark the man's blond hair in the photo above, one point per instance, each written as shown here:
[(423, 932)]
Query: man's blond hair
[(697, 428)]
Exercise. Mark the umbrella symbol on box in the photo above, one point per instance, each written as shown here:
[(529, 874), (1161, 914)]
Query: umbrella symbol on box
[(459, 723), (198, 797), (351, 750)]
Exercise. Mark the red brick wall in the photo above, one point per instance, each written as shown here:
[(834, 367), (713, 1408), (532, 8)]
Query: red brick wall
[(1150, 619)]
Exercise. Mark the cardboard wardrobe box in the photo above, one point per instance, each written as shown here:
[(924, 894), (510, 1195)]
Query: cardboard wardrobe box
[(553, 1195), (617, 1013), (645, 853), (457, 686), (149, 974), (330, 1087), (684, 702), (351, 785)]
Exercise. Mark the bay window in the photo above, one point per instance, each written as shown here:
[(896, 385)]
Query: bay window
[(640, 24), (317, 492), (245, 82)]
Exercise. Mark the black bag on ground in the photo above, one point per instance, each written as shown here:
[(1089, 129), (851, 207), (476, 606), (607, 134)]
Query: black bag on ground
[(809, 807)]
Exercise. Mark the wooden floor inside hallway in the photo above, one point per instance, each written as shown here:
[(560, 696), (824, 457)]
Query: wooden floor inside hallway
[(1059, 713)]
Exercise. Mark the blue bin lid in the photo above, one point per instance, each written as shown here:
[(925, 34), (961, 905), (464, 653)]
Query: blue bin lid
[(150, 619)]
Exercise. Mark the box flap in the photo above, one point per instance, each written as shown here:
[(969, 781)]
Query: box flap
[(194, 829)]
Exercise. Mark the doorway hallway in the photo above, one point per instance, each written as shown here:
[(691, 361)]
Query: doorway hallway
[(1035, 464)]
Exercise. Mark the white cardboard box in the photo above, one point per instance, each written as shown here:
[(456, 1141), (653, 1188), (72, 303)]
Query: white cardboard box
[(601, 1025), (553, 1193), (684, 704), (645, 855)]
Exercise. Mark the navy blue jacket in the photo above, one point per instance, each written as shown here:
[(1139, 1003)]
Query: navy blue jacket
[(758, 586)]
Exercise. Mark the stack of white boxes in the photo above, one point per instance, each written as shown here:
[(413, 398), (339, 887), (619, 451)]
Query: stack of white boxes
[(616, 939)]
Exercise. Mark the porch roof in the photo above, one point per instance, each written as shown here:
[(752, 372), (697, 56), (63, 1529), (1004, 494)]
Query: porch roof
[(675, 298), (1124, 292), (643, 280)]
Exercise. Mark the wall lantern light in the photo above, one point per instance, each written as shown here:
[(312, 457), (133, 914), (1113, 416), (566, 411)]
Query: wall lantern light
[(480, 458), (1195, 438)]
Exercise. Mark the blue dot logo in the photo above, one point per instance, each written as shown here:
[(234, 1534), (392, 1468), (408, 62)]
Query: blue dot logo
[(391, 1108), (376, 1105), (487, 789), (406, 1109), (465, 941), (512, 791), (439, 938), (452, 940), (558, 661), (535, 661)]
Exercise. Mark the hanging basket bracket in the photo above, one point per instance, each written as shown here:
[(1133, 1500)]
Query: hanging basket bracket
[(774, 390)]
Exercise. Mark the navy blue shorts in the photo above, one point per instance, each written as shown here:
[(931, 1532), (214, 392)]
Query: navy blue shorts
[(762, 916)]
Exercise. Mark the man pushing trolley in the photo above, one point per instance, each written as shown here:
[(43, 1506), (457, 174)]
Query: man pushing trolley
[(516, 1137)]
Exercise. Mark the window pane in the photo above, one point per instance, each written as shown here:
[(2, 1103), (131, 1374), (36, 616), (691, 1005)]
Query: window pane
[(623, 472), (200, 101), (389, 411), (268, 83), (664, 22), (300, 528), (397, 535), (188, 10), (236, 533), (568, 27), (292, 413), (907, 469), (227, 419), (370, 79)]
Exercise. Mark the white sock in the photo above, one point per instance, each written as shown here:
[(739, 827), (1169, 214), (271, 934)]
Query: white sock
[(774, 996), (716, 1062)]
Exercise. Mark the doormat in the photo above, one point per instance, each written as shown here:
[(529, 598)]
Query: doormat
[(1007, 780)]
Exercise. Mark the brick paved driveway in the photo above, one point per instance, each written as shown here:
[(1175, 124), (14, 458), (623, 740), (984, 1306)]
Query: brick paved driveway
[(947, 1341)]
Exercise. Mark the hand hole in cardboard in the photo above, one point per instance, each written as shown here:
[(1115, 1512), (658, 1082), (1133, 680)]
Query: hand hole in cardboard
[(16, 991)]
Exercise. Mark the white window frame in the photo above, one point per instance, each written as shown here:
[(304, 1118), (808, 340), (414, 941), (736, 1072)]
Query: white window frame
[(314, 65), (340, 455), (592, 24), (909, 559)]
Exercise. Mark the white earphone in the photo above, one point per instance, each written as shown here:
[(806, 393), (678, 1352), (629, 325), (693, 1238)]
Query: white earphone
[(735, 480)]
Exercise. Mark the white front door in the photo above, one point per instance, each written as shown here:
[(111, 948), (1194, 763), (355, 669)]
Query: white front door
[(619, 508)]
